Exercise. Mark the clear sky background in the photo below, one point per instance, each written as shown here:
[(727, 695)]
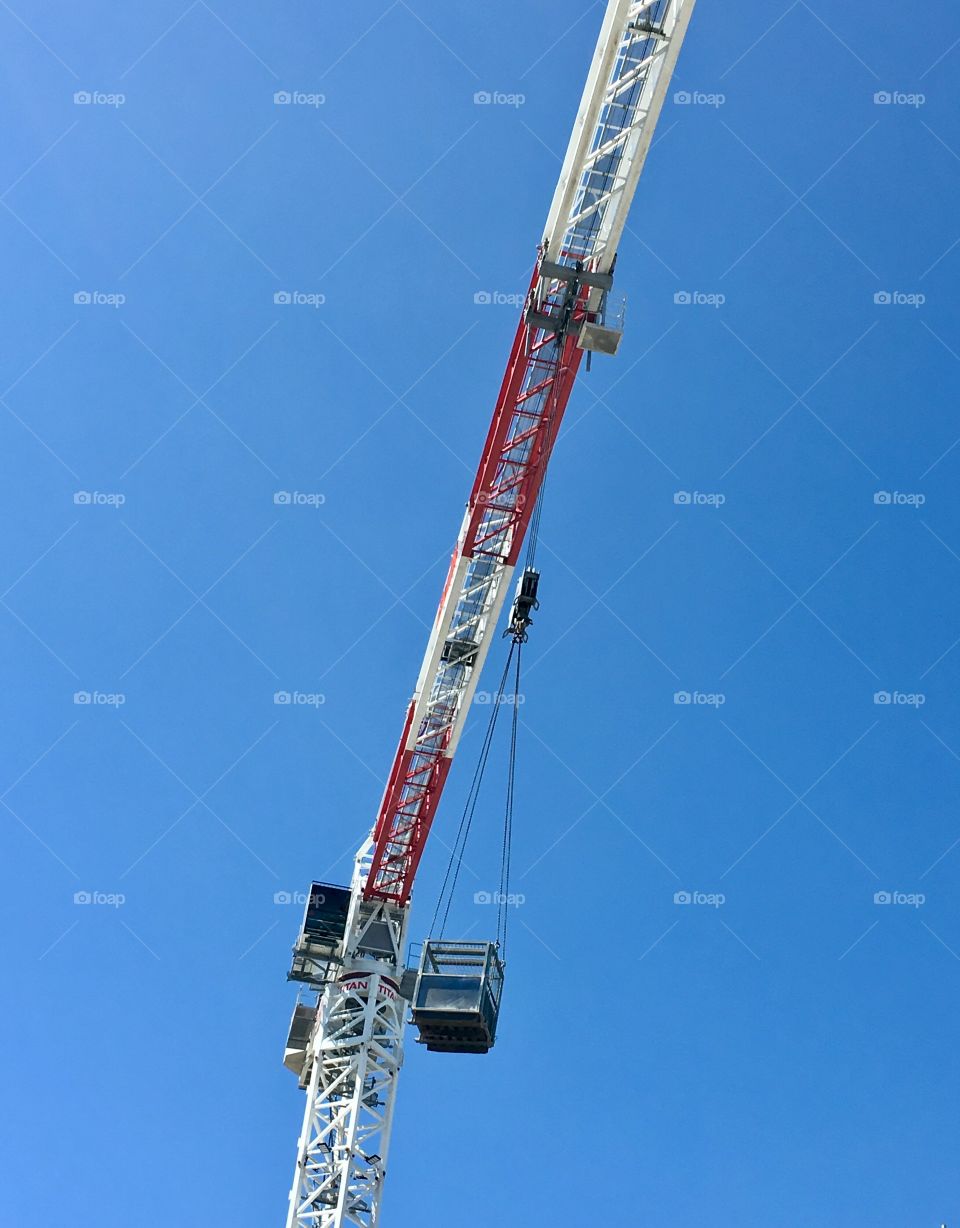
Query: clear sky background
[(787, 1056)]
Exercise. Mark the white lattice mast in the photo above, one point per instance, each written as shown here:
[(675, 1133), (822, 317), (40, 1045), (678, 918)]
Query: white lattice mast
[(350, 1067), (348, 1049)]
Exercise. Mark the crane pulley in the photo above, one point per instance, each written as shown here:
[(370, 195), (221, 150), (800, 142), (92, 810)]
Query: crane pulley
[(524, 603), (347, 1046)]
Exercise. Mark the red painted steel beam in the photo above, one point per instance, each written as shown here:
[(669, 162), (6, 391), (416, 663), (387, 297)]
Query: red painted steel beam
[(537, 365)]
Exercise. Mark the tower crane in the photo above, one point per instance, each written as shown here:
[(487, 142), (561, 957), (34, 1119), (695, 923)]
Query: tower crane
[(346, 1041)]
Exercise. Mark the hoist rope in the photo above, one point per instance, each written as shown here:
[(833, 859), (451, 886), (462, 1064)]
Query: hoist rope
[(455, 862), (452, 875), (504, 898), (534, 530)]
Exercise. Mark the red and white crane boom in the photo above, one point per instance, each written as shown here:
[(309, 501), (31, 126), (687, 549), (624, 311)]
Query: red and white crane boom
[(622, 98), (348, 1048)]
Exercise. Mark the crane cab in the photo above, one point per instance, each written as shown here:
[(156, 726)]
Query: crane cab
[(456, 999), (321, 934)]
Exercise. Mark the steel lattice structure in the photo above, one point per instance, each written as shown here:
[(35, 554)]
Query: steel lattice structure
[(622, 99), (354, 1057), (356, 1049)]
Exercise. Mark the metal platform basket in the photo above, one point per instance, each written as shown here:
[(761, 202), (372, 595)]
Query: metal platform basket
[(456, 1001)]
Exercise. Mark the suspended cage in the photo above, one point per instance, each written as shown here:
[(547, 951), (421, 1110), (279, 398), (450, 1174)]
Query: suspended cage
[(456, 1000)]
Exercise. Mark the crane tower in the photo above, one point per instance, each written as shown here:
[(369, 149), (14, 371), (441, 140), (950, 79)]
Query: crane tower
[(346, 1041)]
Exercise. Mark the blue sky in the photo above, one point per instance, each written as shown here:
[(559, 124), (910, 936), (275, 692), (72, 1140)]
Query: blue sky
[(782, 1048)]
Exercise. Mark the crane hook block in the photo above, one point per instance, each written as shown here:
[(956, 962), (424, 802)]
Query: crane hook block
[(524, 603)]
